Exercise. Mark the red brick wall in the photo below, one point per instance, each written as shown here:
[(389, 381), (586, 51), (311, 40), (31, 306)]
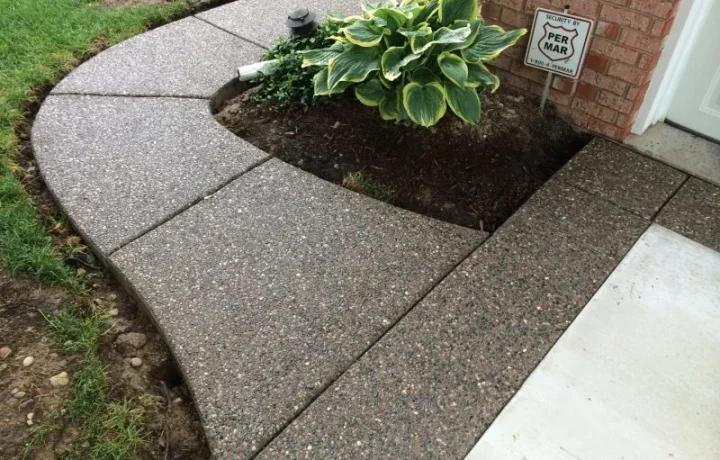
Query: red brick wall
[(624, 51)]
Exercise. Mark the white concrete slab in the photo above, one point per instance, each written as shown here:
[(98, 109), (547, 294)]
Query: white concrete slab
[(637, 374), (687, 152)]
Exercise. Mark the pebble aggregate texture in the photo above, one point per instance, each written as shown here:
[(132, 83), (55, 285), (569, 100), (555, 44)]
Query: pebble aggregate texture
[(120, 166), (309, 321), (694, 211), (263, 22), (275, 285), (610, 171), (189, 58), (437, 380)]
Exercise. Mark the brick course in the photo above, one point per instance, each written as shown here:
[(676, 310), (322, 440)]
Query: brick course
[(624, 51)]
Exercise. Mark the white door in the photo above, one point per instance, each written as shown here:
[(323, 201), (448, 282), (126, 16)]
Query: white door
[(696, 104)]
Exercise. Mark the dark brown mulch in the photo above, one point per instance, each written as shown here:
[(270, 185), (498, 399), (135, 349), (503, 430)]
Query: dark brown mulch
[(475, 176)]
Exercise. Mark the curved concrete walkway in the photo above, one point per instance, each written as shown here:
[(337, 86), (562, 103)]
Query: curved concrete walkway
[(309, 321), (267, 282)]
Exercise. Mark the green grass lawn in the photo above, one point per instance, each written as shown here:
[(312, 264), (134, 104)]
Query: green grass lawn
[(41, 40)]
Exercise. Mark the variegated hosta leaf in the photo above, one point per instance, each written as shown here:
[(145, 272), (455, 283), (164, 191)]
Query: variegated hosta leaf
[(371, 93), (478, 75), (378, 22), (427, 12), (402, 112), (363, 33), (453, 67), (422, 31), (442, 35), (411, 10), (490, 42), (393, 61), (334, 16), (389, 106), (385, 82), (353, 65), (475, 27), (425, 104), (424, 76), (464, 102), (369, 8), (321, 88), (452, 10), (393, 18), (321, 57)]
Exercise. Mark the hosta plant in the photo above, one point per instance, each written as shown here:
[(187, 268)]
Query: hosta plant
[(414, 59)]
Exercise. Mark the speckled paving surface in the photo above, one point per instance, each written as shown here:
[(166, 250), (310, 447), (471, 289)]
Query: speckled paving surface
[(309, 321), (694, 212), (275, 285)]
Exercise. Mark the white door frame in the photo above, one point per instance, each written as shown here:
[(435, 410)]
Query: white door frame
[(684, 34)]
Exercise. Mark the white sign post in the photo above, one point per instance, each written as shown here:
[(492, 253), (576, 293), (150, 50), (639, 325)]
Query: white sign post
[(558, 44)]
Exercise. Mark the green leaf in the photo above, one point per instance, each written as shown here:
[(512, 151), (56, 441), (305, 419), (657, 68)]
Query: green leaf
[(321, 57), (464, 102), (353, 65), (478, 75), (393, 18), (389, 106), (425, 104), (475, 27), (452, 10), (321, 88), (362, 33), (453, 67), (411, 10), (490, 42), (424, 76), (427, 12), (393, 60), (370, 93), (369, 8), (385, 82), (402, 113), (422, 31), (442, 35)]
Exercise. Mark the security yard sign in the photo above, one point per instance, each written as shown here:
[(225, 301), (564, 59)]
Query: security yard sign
[(559, 42)]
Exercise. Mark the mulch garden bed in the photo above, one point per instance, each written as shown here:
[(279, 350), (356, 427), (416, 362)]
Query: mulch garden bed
[(474, 176)]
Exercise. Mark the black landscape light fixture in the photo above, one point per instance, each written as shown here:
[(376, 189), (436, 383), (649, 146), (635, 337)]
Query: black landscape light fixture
[(302, 22)]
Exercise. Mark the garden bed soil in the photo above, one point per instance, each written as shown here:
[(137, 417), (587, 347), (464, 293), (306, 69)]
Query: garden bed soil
[(474, 176)]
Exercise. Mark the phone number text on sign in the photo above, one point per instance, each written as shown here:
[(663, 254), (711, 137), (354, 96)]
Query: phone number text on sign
[(558, 42)]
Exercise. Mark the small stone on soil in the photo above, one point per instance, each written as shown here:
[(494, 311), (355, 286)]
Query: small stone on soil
[(64, 444), (136, 362), (113, 312), (30, 418), (133, 339), (60, 380), (19, 394), (5, 352), (28, 361)]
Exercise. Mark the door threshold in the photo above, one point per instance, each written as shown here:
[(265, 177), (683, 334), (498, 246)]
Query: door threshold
[(687, 152), (691, 131)]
